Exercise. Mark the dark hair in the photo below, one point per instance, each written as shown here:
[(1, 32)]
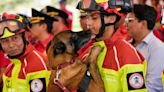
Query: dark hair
[(145, 12)]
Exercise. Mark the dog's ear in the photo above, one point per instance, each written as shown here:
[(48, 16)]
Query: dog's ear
[(80, 39), (59, 48), (75, 40)]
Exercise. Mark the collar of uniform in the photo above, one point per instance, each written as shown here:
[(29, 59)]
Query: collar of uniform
[(83, 49), (65, 28), (29, 48), (109, 41), (45, 42), (148, 38)]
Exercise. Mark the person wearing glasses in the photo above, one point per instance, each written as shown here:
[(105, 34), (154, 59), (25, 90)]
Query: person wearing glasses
[(121, 66), (140, 23), (28, 71)]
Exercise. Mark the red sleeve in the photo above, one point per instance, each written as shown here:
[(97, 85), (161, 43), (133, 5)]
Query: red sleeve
[(4, 60), (127, 54), (35, 62)]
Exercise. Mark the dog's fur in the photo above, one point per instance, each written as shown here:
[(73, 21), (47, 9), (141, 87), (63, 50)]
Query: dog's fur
[(62, 49)]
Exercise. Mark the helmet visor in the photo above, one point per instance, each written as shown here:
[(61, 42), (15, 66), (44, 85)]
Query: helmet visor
[(13, 26)]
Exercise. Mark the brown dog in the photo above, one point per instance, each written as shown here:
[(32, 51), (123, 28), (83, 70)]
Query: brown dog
[(61, 50)]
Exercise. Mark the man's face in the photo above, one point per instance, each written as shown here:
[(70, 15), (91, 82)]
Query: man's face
[(94, 22), (36, 30), (12, 45), (58, 25), (133, 25)]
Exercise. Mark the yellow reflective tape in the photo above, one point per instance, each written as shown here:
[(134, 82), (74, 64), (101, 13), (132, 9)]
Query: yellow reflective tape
[(101, 1), (118, 8), (52, 13), (81, 11), (36, 19), (39, 74)]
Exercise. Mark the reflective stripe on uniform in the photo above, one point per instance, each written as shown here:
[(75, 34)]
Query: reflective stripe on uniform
[(123, 79), (15, 84)]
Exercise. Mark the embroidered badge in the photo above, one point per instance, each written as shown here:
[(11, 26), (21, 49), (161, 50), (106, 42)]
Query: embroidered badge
[(36, 85), (135, 81)]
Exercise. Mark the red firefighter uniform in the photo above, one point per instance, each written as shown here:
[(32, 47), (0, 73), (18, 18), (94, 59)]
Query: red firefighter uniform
[(4, 60), (120, 72), (121, 33), (27, 73), (41, 46), (70, 17)]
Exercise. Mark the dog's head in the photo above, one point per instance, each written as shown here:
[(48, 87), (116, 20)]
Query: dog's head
[(64, 47)]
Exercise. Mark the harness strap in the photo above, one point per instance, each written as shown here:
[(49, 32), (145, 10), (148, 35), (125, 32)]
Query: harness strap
[(57, 82), (85, 82)]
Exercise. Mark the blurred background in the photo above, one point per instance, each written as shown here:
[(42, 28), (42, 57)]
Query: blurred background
[(24, 7)]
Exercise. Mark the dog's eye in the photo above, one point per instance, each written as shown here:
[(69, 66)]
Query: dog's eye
[(59, 48), (71, 42)]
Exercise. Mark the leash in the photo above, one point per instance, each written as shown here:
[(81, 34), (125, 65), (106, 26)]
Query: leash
[(57, 82)]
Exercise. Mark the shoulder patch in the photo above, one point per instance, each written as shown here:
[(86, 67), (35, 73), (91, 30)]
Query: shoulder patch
[(135, 81), (37, 85)]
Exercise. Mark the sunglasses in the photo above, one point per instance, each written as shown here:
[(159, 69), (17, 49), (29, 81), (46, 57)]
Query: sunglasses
[(12, 25)]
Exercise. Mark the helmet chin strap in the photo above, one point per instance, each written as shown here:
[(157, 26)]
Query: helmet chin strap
[(16, 56), (102, 29)]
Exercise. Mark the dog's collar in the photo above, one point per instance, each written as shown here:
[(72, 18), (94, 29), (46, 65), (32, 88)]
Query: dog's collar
[(64, 65)]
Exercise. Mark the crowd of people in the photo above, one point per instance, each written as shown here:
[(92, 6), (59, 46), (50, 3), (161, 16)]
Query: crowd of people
[(129, 31)]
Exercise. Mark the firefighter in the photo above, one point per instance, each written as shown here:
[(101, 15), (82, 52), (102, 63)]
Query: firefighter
[(61, 16), (62, 5), (121, 66), (41, 30), (28, 71)]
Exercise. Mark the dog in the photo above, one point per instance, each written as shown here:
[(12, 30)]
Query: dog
[(67, 72)]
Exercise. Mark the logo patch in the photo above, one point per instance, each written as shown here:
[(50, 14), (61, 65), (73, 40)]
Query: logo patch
[(135, 81), (36, 85)]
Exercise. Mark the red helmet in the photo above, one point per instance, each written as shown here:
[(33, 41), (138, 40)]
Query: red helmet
[(118, 7), (105, 7), (11, 24)]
